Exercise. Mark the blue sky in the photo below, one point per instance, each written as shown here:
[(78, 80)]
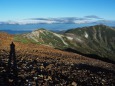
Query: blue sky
[(25, 9)]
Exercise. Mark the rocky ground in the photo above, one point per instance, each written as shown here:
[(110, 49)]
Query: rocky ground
[(45, 66)]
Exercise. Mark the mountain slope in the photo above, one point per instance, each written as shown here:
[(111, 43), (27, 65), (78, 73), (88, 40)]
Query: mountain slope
[(99, 40), (42, 36), (5, 39), (96, 40)]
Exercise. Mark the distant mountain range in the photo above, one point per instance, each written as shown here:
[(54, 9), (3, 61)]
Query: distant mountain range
[(96, 40), (14, 31)]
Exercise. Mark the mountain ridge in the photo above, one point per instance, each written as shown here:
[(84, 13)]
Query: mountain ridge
[(96, 40), (43, 36)]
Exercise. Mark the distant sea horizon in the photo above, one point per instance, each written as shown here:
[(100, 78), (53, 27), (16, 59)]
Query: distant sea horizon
[(18, 29)]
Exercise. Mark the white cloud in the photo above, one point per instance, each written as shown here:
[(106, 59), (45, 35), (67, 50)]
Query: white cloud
[(76, 20)]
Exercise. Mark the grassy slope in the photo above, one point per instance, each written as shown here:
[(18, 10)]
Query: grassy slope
[(46, 37), (100, 41)]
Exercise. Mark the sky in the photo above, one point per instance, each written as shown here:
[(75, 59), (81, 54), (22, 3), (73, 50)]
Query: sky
[(11, 10)]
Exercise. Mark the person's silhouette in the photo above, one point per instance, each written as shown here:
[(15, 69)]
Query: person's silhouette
[(12, 63)]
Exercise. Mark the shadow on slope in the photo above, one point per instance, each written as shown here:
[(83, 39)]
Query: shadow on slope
[(90, 55), (93, 69)]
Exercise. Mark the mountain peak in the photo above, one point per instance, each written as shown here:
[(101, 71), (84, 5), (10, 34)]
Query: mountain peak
[(103, 27), (98, 39), (46, 37), (41, 29)]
